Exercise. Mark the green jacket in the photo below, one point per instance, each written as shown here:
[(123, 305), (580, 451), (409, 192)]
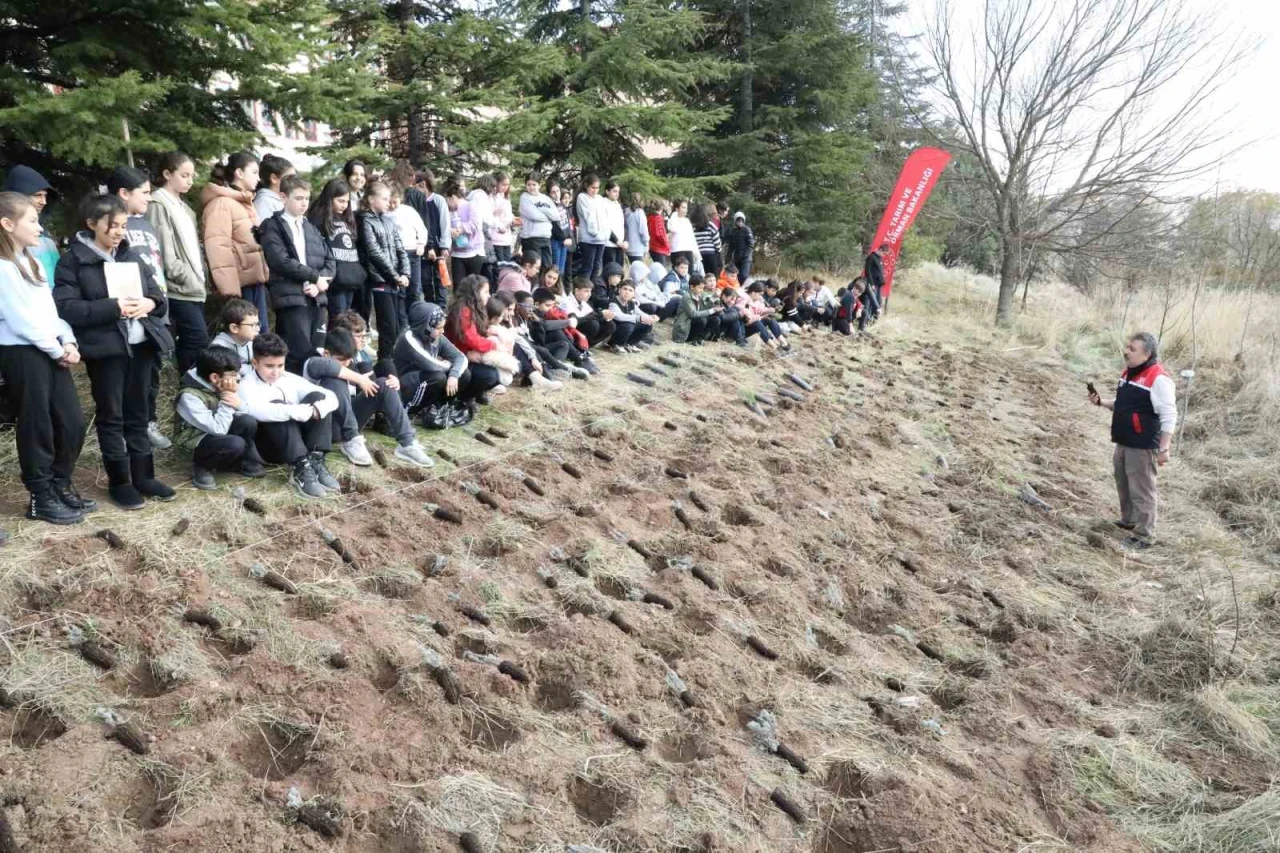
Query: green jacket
[(185, 435), (691, 307)]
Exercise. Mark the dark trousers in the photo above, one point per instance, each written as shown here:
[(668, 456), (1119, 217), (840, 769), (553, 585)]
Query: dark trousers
[(549, 359), (665, 260), (502, 253), (422, 388), (432, 289), (339, 301), (414, 293), (590, 260), (153, 394), (704, 328), (562, 347), (744, 268), (760, 327), (299, 327), (730, 325), (121, 388), (625, 334), (666, 310), (540, 246), (872, 295), (228, 452), (190, 332), (712, 263), (597, 329), (613, 255), (256, 294), (355, 410), (390, 313), (463, 267), (843, 326), (362, 303), (289, 441), (50, 430), (676, 256)]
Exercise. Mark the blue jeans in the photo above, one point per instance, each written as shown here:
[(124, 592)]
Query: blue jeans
[(415, 279), (560, 256), (590, 260), (257, 295), (744, 269)]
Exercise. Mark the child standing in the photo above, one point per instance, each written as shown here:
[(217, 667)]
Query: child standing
[(119, 338), (466, 230), (741, 245), (538, 214), (268, 200), (387, 264), (295, 418), (301, 267), (333, 216), (637, 227), (32, 184), (413, 234), (659, 248), (698, 317), (707, 233), (502, 231), (180, 257), (633, 326), (37, 351), (133, 187), (236, 263), (593, 228), (615, 222), (562, 232), (680, 230), (212, 421), (341, 370)]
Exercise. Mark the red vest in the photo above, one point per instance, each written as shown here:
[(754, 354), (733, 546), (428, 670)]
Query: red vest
[(1134, 423)]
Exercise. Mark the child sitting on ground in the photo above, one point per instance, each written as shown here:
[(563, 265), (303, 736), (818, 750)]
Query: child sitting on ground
[(557, 332), (436, 380), (525, 320), (360, 396), (728, 277), (677, 280), (295, 418), (213, 423), (514, 346), (603, 290), (633, 324), (758, 317), (699, 315), (650, 295), (596, 325), (240, 323)]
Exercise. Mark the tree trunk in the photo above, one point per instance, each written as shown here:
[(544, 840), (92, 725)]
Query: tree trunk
[(1010, 278), (745, 96), (413, 121)]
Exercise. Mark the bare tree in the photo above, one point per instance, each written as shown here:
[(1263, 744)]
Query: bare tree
[(1081, 111)]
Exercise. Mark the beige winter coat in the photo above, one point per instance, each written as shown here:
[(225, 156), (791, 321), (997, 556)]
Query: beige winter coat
[(235, 258)]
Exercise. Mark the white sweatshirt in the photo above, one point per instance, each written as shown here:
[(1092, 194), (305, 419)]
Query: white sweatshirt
[(280, 401)]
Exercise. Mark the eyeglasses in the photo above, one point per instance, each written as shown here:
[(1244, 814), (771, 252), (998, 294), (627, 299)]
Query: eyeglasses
[(251, 323)]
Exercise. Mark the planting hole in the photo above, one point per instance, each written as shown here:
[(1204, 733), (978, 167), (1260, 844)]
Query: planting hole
[(597, 803), (738, 516), (489, 732), (555, 696), (34, 727), (277, 750)]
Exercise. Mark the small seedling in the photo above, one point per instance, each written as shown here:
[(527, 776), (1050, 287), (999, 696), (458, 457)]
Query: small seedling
[(791, 395), (653, 368), (484, 439), (698, 501), (572, 470), (254, 506), (641, 380), (683, 693), (181, 527), (766, 399), (124, 733), (602, 455), (799, 382), (661, 601), (619, 621), (273, 579), (331, 539), (498, 433), (782, 801), (755, 408), (758, 646), (110, 537), (702, 575), (200, 616)]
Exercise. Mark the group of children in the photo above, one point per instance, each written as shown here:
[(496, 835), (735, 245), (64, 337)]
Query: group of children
[(460, 316)]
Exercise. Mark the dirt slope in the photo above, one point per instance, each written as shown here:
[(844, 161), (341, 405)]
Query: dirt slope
[(851, 580)]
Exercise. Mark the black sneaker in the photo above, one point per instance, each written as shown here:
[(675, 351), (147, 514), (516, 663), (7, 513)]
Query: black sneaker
[(1133, 543), (322, 473), (590, 366), (304, 481), (68, 495), (253, 469), (483, 399), (1124, 525), (202, 478), (45, 505)]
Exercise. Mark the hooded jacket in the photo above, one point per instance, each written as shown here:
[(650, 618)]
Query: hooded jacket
[(417, 350), (691, 307), (658, 244), (593, 225), (740, 242), (289, 273), (637, 233), (230, 239), (80, 292)]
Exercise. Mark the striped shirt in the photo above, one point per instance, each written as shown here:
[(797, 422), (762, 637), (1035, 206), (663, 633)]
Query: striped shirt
[(708, 240)]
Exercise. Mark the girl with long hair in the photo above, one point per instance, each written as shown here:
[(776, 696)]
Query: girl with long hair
[(334, 217), (236, 263)]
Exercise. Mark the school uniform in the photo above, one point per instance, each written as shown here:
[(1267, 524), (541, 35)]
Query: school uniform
[(385, 260), (354, 408), (218, 436), (118, 354), (297, 255), (287, 430), (50, 429)]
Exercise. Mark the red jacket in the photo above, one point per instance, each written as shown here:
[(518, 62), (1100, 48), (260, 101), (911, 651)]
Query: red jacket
[(579, 339), (470, 339), (658, 244)]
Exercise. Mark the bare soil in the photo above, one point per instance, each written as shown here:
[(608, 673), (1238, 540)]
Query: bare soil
[(933, 637)]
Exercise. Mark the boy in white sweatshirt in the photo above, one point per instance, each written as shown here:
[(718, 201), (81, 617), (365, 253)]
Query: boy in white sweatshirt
[(294, 418)]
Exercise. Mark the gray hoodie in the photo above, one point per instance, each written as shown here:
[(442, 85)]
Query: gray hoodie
[(245, 351)]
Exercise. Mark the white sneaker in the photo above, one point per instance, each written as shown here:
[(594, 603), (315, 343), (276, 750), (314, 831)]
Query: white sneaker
[(542, 383), (158, 439), (357, 451), (579, 373), (497, 390), (414, 455)]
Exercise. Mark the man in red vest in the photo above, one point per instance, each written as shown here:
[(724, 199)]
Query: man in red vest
[(1144, 415)]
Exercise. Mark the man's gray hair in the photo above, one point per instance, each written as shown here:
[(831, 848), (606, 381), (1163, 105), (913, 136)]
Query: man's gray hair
[(1149, 343)]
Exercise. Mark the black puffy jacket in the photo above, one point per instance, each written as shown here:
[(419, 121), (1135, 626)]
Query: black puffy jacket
[(80, 292), (289, 273), (381, 250)]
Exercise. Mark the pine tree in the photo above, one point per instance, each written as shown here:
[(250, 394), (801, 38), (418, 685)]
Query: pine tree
[(628, 77), (179, 73), (797, 125)]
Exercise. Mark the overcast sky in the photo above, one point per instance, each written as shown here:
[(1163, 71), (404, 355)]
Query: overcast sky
[(1252, 97)]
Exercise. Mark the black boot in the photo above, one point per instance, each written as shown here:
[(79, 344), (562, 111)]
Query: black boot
[(120, 485), (45, 505), (143, 471), (68, 495)]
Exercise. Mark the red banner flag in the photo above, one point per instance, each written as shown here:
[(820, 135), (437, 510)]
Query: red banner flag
[(919, 174)]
